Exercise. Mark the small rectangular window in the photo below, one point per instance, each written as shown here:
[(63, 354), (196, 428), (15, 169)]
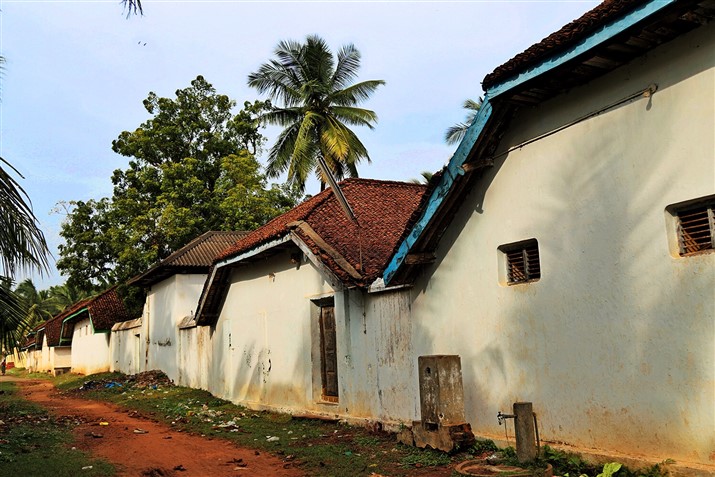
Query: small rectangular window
[(521, 262), (696, 228)]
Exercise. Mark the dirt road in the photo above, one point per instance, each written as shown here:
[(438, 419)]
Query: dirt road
[(141, 447)]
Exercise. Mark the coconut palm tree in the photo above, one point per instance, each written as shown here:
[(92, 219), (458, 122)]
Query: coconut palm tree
[(454, 134), (316, 103), (22, 247), (65, 295), (39, 305)]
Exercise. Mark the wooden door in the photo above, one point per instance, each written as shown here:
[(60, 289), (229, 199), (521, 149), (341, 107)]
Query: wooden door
[(328, 354)]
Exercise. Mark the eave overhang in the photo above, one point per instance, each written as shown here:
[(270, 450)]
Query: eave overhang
[(614, 44)]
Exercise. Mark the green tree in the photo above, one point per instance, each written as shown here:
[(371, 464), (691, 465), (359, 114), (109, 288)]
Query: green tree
[(39, 305), (192, 169), (318, 103), (456, 133), (66, 295), (87, 255)]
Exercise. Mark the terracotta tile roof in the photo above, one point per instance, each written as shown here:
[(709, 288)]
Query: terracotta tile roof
[(194, 257), (383, 210), (561, 40), (104, 310), (29, 342), (356, 255)]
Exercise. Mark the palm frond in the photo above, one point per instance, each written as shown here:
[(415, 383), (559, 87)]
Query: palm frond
[(280, 155), (133, 7), (318, 64), (355, 116), (356, 93), (455, 134), (334, 140), (12, 318), (22, 243), (347, 66), (280, 83), (282, 116)]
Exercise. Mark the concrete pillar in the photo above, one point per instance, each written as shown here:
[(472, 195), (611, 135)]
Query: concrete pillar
[(525, 433)]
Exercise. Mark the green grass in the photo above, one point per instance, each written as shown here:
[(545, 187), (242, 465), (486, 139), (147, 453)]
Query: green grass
[(319, 448), (34, 443)]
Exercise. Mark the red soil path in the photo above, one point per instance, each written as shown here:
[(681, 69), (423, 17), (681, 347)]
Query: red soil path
[(161, 451)]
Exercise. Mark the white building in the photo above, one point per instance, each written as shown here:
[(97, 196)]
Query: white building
[(573, 238), (173, 289)]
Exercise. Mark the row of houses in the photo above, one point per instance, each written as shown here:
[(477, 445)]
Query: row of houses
[(564, 256)]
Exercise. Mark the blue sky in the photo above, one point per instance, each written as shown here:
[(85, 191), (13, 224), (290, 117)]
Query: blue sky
[(76, 74)]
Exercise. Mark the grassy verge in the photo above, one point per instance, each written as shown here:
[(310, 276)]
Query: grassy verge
[(320, 448), (34, 443)]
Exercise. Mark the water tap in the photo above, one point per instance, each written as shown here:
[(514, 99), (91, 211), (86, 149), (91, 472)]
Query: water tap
[(501, 417)]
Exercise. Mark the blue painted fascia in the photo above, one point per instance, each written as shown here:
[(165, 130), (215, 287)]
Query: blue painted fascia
[(453, 169), (477, 128), (592, 41)]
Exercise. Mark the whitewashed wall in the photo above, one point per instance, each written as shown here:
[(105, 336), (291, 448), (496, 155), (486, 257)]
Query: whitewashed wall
[(125, 347), (194, 356), (60, 358), (615, 344), (261, 346), (32, 358), (263, 351), (90, 349), (168, 302)]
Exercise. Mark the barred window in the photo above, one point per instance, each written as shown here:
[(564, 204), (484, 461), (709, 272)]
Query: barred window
[(696, 228), (521, 262)]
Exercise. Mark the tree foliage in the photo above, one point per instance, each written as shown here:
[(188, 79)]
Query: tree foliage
[(22, 247), (456, 133), (39, 305), (192, 169), (317, 103)]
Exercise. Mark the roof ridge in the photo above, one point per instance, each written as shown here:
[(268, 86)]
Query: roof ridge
[(381, 182)]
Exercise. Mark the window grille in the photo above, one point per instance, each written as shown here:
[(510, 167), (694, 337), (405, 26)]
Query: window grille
[(696, 229), (522, 262)]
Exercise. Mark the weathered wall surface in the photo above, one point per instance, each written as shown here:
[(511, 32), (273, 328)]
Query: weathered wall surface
[(168, 302), (90, 350), (32, 360), (60, 358), (261, 346), (126, 350), (264, 350), (382, 366), (615, 344), (194, 356), (44, 363)]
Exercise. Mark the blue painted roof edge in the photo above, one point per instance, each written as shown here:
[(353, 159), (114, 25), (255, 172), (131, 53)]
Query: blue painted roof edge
[(595, 39), (476, 129), (453, 169)]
